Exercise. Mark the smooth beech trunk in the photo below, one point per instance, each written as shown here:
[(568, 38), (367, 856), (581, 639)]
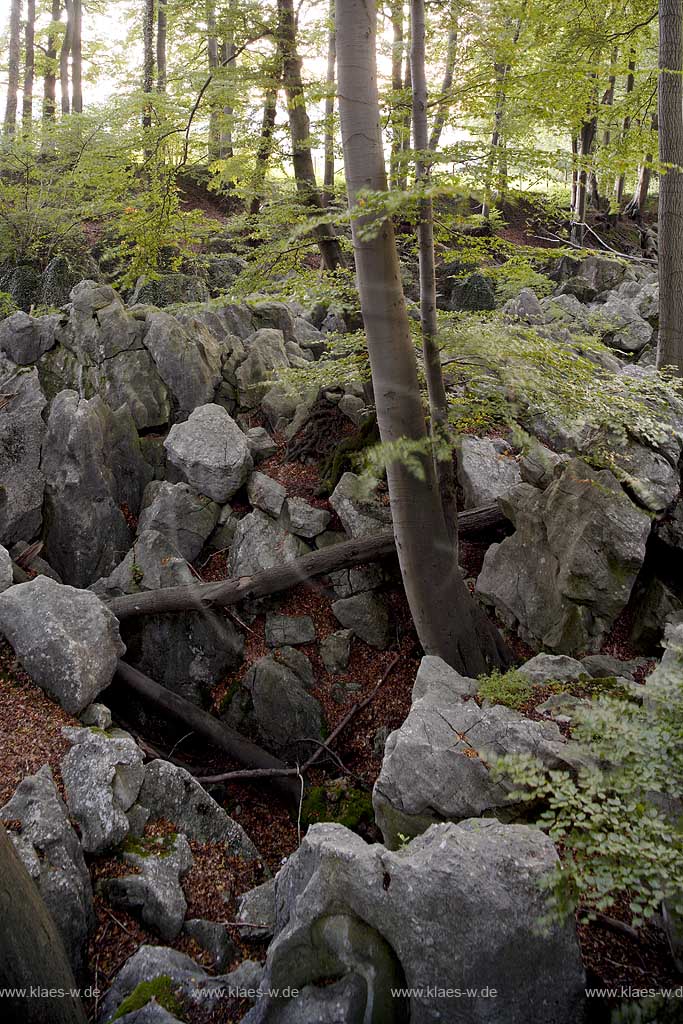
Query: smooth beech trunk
[(625, 127), (64, 55), (447, 620), (328, 177), (50, 76), (264, 149), (147, 58), (438, 403), (29, 66), (77, 59), (670, 345), (445, 98), (13, 67), (162, 34), (300, 131), (32, 953)]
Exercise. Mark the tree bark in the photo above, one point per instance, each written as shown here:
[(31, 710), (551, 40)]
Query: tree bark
[(445, 99), (448, 622), (264, 149), (438, 403), (300, 131), (397, 120), (29, 67), (162, 33), (670, 344), (198, 596), (77, 59), (586, 139), (64, 54), (625, 127), (14, 60), (328, 177), (50, 77), (32, 953), (228, 63), (233, 743), (147, 59), (212, 51)]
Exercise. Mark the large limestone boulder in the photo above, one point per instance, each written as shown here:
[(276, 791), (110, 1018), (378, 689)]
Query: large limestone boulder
[(265, 353), (436, 766), (361, 514), (261, 543), (273, 706), (187, 357), (51, 853), (185, 518), (21, 435), (211, 452), (66, 639), (6, 571), (188, 652), (85, 531), (170, 792), (170, 289), (458, 908), (485, 470), (568, 570), (102, 776), (24, 339)]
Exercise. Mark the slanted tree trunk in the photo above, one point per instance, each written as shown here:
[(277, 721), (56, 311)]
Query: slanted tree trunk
[(77, 59), (670, 344), (438, 403), (14, 60), (162, 33), (448, 622), (50, 77), (265, 149), (64, 54), (328, 178), (300, 131), (29, 66), (32, 953), (625, 127), (445, 99), (147, 59)]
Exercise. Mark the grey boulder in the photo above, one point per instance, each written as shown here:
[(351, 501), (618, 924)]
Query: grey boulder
[(21, 481), (102, 776), (6, 571), (261, 543), (303, 519), (367, 616), (52, 855), (211, 452), (257, 908), (361, 514), (484, 471), (24, 339), (185, 518), (335, 650), (170, 792), (568, 570), (556, 667), (265, 493), (458, 908), (66, 639), (214, 938), (289, 630), (154, 893)]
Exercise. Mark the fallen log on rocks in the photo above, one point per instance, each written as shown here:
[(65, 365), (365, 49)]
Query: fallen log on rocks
[(194, 597), (238, 747)]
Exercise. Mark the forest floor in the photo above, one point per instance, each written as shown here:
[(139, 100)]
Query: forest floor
[(30, 736)]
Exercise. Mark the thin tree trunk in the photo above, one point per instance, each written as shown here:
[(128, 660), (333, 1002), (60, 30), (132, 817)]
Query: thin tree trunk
[(445, 99), (14, 60), (448, 622), (29, 66), (625, 127), (404, 160), (586, 139), (636, 207), (228, 51), (162, 33), (264, 150), (212, 51), (328, 178), (32, 954), (575, 170), (147, 59), (438, 403), (497, 156), (397, 123), (77, 59), (64, 54), (50, 77), (670, 345), (300, 130)]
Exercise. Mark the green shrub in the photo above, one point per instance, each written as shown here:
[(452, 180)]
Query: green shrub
[(513, 689), (7, 306)]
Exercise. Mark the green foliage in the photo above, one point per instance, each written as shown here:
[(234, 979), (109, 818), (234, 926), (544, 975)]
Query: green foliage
[(7, 306), (159, 988), (617, 819), (513, 688), (515, 274), (655, 1010)]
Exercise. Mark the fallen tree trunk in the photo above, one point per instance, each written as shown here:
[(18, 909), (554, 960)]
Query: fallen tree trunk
[(196, 596), (238, 747)]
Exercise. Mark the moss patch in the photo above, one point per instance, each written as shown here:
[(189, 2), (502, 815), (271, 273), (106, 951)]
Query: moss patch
[(160, 988), (149, 846), (337, 802)]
